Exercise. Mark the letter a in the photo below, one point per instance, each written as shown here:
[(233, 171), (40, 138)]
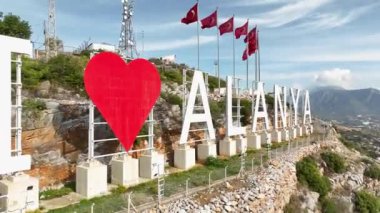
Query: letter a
[(190, 116), (259, 95)]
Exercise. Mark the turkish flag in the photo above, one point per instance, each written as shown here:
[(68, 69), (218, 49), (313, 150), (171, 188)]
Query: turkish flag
[(210, 21), (252, 47), (251, 35), (227, 26), (243, 30), (191, 16)]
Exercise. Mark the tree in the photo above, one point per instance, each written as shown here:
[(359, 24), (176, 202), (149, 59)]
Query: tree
[(14, 26)]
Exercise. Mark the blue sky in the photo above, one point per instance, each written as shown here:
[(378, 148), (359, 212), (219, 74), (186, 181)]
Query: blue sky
[(304, 43)]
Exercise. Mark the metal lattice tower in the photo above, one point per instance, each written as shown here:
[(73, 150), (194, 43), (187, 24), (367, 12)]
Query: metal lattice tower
[(127, 44), (50, 37)]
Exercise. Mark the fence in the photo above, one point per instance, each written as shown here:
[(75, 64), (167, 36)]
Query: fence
[(179, 185)]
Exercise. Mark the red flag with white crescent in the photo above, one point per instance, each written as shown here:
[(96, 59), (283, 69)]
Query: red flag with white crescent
[(243, 30), (210, 21), (227, 27), (191, 16)]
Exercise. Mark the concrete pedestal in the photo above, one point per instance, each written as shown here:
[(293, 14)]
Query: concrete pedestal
[(91, 179), (227, 147), (205, 150), (277, 136), (285, 135), (266, 138), (22, 193), (184, 157), (299, 131), (306, 129), (311, 129), (292, 133), (254, 141), (125, 170), (241, 145), (151, 165)]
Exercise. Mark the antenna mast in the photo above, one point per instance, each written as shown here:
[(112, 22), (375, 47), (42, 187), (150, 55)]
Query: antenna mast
[(50, 37), (127, 44)]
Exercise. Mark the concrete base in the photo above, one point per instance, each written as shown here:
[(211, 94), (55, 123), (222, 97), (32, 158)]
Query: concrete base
[(292, 133), (125, 170), (151, 165), (299, 131), (266, 138), (91, 179), (254, 141), (306, 129), (277, 136), (227, 147), (184, 157), (22, 193), (285, 135), (241, 145), (206, 150), (311, 129)]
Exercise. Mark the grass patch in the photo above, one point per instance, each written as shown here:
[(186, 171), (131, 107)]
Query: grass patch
[(54, 193), (334, 162), (366, 202), (373, 171)]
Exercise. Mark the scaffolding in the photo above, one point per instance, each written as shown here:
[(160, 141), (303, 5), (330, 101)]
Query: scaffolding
[(17, 108), (92, 141)]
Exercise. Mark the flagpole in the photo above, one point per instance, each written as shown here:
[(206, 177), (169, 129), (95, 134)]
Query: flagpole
[(233, 44), (217, 35), (256, 61), (247, 53), (198, 29), (258, 47)]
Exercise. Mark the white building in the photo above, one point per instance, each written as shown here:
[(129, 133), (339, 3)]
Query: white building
[(102, 47)]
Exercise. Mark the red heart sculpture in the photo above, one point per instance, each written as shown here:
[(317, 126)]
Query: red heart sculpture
[(123, 93)]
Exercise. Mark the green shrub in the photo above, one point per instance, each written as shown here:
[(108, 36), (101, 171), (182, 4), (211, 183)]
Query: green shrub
[(366, 202), (373, 171), (334, 162), (309, 175), (328, 206), (215, 162), (172, 76), (245, 111), (174, 99), (33, 105)]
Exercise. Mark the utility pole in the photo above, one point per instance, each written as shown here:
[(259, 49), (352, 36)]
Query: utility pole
[(127, 44), (51, 48)]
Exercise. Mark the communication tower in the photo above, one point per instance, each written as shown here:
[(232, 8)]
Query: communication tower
[(50, 37), (127, 44)]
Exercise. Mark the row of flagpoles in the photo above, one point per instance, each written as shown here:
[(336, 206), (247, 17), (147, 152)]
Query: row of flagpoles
[(251, 38)]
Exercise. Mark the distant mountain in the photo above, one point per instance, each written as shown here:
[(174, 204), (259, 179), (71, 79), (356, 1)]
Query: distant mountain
[(340, 104)]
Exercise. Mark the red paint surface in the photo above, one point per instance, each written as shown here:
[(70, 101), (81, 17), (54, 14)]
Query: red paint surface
[(123, 93)]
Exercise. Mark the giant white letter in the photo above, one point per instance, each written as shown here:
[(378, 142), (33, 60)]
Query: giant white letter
[(307, 110), (295, 99), (231, 129), (280, 104), (190, 116), (9, 163), (258, 96)]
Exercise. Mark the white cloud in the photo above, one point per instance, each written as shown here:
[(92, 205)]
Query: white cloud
[(290, 12), (334, 77), (335, 19), (244, 3), (340, 56), (180, 43)]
